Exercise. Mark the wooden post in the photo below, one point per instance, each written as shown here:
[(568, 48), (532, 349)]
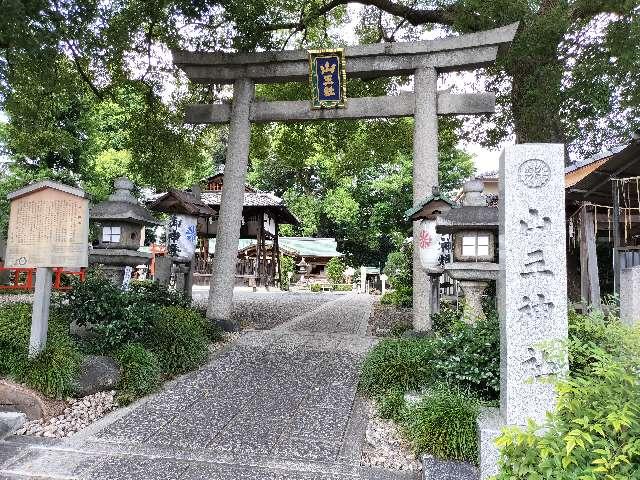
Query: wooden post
[(589, 275), (276, 245), (616, 236)]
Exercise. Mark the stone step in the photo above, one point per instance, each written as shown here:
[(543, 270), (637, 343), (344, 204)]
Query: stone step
[(70, 464)]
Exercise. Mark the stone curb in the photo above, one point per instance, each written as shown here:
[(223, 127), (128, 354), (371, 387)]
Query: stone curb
[(435, 469), (10, 422)]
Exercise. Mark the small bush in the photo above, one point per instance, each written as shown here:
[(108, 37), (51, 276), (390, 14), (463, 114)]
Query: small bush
[(400, 297), (390, 404), (335, 269), (343, 287), (443, 424), (594, 433), (287, 265), (140, 372), (53, 371), (468, 357), (117, 317), (446, 319), (178, 339), (593, 332), (398, 364), (315, 287), (152, 293)]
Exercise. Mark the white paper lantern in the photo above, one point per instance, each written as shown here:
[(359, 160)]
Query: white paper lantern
[(429, 244)]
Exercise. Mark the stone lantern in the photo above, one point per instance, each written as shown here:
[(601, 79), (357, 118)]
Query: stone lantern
[(473, 228), (121, 222), (302, 269)]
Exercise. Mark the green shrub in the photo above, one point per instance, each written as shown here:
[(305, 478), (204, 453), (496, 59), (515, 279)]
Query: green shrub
[(15, 330), (446, 319), (595, 331), (468, 357), (343, 287), (398, 364), (287, 265), (53, 371), (179, 340), (443, 424), (400, 297), (152, 293), (335, 269), (140, 372), (390, 404), (315, 287), (117, 317), (398, 329), (399, 266), (594, 433)]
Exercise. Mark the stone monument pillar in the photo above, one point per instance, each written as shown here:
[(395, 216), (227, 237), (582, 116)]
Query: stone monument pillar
[(532, 286), (630, 296), (224, 262), (425, 177)]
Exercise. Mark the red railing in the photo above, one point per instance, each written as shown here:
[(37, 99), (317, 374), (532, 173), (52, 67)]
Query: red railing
[(24, 278)]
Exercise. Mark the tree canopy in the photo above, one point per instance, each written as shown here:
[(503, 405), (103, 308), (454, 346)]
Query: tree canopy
[(90, 93)]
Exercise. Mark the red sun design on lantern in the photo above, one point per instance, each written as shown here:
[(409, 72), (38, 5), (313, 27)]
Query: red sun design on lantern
[(425, 239)]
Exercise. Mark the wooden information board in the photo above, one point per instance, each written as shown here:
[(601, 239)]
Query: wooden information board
[(48, 227)]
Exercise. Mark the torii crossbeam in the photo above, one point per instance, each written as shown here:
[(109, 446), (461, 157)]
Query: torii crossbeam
[(424, 60)]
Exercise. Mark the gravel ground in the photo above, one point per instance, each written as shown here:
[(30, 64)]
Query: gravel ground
[(263, 311), (384, 318), (16, 297), (384, 447), (79, 414)]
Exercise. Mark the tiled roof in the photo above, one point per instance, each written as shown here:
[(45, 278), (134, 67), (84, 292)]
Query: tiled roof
[(312, 247), (303, 246), (177, 201)]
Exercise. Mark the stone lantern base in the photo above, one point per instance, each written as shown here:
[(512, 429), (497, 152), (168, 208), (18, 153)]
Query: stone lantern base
[(473, 291), (113, 261), (474, 278)]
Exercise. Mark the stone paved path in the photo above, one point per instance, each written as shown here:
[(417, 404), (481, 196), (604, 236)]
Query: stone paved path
[(276, 404)]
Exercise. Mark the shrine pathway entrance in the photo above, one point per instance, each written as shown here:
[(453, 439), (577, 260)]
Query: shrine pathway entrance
[(424, 60), (275, 404)]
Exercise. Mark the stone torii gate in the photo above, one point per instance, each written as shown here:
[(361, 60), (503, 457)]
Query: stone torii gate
[(424, 60)]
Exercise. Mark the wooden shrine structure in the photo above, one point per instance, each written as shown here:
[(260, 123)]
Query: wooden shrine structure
[(603, 207), (262, 215)]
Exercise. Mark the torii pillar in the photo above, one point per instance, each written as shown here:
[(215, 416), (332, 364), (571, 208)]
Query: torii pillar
[(425, 60)]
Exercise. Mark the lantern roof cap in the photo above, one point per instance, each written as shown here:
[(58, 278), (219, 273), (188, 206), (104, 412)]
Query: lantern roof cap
[(421, 210), (122, 206), (468, 218)]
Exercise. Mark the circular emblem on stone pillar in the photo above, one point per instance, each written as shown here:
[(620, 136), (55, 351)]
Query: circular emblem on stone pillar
[(534, 173)]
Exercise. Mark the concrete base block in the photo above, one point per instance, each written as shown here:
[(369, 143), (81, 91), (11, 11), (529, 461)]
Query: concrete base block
[(10, 422), (490, 424), (629, 298), (435, 469)]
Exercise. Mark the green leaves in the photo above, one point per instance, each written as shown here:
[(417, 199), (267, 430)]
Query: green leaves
[(595, 431)]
